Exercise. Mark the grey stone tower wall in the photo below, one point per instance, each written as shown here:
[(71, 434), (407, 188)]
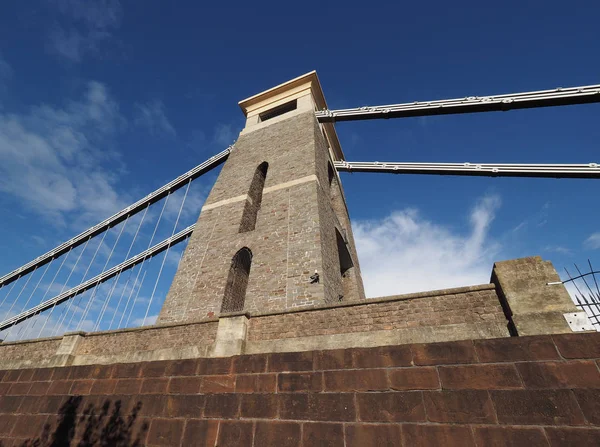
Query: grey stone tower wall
[(295, 231)]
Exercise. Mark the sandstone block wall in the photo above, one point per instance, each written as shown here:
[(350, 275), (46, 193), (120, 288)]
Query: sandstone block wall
[(32, 352), (530, 391), (170, 337), (294, 233), (441, 315), (465, 305), (124, 345)]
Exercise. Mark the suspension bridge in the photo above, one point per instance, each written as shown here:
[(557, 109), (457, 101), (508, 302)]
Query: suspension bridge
[(104, 278)]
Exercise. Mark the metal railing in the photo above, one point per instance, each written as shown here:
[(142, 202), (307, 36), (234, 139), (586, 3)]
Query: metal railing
[(585, 292)]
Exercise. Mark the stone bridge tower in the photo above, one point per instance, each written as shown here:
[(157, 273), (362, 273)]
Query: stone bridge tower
[(274, 218)]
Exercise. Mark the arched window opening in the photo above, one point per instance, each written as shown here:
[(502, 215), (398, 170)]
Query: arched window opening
[(330, 174), (237, 282), (346, 266), (254, 198), (343, 253), (335, 197)]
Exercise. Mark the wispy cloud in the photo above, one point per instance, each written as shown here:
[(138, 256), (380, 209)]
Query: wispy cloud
[(89, 25), (405, 252), (224, 135), (593, 242), (5, 69), (152, 116), (150, 320), (5, 74), (50, 157), (558, 249)]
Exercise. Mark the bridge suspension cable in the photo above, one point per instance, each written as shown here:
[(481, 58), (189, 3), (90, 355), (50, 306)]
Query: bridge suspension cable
[(588, 171), (471, 104), (117, 218), (99, 279)]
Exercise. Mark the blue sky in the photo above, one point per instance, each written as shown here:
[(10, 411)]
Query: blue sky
[(102, 102)]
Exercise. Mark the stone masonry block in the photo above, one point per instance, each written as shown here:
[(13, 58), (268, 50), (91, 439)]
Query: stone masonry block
[(479, 377), (235, 433), (444, 353), (291, 361), (280, 434), (414, 378), (459, 407), (263, 406), (217, 384), (381, 357), (200, 433), (515, 349), (429, 435), (226, 406), (578, 346), (513, 436), (247, 364), (391, 407), (317, 407), (165, 432), (574, 374), (185, 406), (299, 382), (184, 385), (537, 407), (157, 385), (567, 437), (589, 402), (256, 383), (323, 434), (356, 380), (384, 435)]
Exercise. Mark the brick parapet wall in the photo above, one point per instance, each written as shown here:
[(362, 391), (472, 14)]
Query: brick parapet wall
[(28, 352), (148, 338), (172, 341), (442, 315), (534, 391), (465, 305)]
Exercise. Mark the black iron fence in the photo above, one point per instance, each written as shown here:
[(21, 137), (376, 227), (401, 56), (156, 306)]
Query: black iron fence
[(586, 292)]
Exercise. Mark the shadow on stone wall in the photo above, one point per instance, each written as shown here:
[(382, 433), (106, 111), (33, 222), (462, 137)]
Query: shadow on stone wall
[(94, 426)]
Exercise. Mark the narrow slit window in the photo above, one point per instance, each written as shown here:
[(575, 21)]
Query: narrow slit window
[(346, 268), (254, 199), (279, 110), (343, 254), (237, 282)]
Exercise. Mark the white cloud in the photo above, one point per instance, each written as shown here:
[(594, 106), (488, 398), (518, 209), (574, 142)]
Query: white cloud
[(224, 135), (174, 255), (89, 25), (152, 116), (51, 161), (5, 74), (559, 249), (406, 253), (150, 320), (5, 69), (194, 200), (593, 241)]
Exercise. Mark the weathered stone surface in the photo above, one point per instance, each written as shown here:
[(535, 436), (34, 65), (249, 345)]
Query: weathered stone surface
[(294, 234), (510, 436), (459, 406), (479, 377), (537, 407), (343, 399), (533, 306), (379, 322)]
